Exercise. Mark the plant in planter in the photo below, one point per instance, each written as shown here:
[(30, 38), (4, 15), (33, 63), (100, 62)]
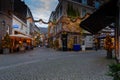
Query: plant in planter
[(6, 43), (109, 46), (114, 71)]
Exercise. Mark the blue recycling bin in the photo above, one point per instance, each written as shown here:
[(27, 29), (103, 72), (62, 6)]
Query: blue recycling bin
[(76, 47)]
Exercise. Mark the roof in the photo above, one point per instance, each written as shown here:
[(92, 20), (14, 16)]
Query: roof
[(101, 18)]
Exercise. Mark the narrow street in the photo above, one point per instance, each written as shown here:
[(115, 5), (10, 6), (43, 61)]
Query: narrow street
[(47, 64)]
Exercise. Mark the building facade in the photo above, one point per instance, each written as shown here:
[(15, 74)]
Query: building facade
[(14, 20), (36, 36), (64, 30)]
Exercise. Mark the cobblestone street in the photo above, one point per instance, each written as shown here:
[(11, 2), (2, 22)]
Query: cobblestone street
[(47, 64)]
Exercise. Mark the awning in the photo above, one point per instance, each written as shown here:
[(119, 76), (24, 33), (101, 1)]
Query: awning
[(101, 18), (104, 36), (20, 36)]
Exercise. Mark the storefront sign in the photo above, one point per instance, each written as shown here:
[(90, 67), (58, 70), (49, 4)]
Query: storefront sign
[(16, 26)]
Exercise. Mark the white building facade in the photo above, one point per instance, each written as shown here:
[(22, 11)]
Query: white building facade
[(19, 26)]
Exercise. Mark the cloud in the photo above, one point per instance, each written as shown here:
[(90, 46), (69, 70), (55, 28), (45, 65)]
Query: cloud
[(41, 9)]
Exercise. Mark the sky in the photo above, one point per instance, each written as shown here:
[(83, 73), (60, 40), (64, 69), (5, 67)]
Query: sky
[(41, 9)]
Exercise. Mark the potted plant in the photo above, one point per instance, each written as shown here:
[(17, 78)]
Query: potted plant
[(109, 46)]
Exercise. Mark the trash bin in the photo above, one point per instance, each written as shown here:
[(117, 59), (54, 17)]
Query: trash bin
[(76, 47), (83, 47)]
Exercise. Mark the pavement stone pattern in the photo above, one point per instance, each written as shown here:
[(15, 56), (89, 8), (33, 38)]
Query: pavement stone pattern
[(48, 64)]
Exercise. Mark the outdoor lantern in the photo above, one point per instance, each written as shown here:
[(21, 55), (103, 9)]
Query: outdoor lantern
[(28, 41), (20, 42)]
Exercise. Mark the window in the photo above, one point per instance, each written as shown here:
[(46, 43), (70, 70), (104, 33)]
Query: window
[(60, 10), (8, 29), (97, 4), (83, 12), (75, 39), (0, 5), (22, 27), (84, 2)]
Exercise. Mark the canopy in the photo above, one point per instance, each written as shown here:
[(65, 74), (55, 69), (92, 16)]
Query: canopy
[(20, 36), (101, 18)]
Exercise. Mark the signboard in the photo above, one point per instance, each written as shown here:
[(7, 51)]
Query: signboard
[(16, 26)]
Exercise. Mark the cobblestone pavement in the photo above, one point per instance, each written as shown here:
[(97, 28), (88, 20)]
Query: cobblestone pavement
[(47, 64)]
